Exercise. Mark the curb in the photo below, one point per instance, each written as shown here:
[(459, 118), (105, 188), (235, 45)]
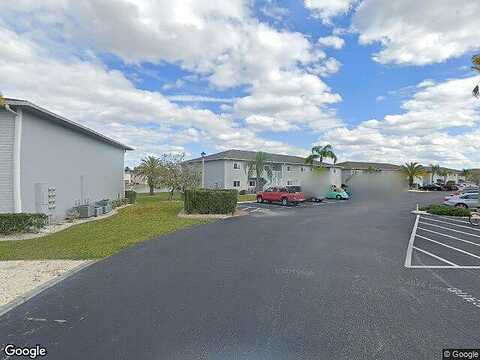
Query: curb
[(34, 292)]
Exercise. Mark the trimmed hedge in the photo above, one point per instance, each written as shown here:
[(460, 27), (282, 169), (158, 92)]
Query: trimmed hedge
[(119, 202), (131, 196), (23, 222), (209, 201), (446, 210)]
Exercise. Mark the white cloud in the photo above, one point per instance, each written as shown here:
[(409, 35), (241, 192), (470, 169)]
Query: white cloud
[(216, 40), (327, 9), (267, 123), (423, 132), (198, 98), (108, 102), (332, 41), (419, 32)]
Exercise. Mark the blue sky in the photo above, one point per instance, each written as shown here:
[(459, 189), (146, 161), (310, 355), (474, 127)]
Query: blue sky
[(379, 81)]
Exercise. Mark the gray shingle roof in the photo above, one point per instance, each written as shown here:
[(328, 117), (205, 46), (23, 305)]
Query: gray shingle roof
[(64, 122), (363, 165), (250, 155)]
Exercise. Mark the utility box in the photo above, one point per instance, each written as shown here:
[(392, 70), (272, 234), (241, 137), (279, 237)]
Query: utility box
[(86, 211)]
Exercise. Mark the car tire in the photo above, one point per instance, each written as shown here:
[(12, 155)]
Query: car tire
[(259, 199), (284, 202), (461, 205), (338, 197)]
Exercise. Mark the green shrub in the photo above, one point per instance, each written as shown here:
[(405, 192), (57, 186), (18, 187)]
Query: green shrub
[(446, 210), (131, 196), (119, 202), (23, 222), (208, 201)]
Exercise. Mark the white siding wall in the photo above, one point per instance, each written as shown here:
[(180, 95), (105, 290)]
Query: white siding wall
[(7, 136), (75, 164)]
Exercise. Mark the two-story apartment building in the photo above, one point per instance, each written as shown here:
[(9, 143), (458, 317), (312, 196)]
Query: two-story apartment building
[(229, 170)]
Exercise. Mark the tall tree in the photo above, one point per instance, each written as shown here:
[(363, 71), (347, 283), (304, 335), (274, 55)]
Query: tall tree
[(444, 173), (476, 67), (320, 153), (434, 169), (150, 170), (176, 175), (412, 170), (259, 168), (466, 173)]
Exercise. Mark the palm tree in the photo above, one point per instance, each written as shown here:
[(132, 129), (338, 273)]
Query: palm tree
[(320, 153), (466, 173), (435, 169), (476, 67), (258, 168), (150, 169), (444, 173), (412, 170)]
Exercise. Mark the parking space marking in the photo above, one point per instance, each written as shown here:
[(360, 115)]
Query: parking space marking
[(435, 256), (460, 236), (449, 246), (446, 218), (446, 222), (443, 227), (408, 258), (450, 236)]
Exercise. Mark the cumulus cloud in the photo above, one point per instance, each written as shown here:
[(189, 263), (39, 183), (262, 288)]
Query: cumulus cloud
[(105, 100), (423, 132), (221, 42), (327, 9), (418, 32), (332, 41)]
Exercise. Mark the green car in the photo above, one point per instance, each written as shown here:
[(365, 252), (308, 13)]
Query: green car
[(336, 193)]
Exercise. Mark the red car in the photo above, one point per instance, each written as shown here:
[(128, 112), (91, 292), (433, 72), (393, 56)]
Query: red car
[(282, 195)]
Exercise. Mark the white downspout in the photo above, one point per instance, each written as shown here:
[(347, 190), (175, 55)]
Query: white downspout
[(17, 148)]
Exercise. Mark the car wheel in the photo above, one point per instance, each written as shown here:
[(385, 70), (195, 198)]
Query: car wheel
[(338, 197), (460, 205), (259, 199), (284, 202)]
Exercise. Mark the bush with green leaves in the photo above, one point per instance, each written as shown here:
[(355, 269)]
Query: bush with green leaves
[(119, 202), (446, 210), (210, 201), (131, 196), (22, 222)]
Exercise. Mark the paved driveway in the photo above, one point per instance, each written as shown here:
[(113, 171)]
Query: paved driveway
[(316, 282)]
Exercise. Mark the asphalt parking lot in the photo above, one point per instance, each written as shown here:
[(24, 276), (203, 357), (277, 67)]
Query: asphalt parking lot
[(443, 242), (319, 281)]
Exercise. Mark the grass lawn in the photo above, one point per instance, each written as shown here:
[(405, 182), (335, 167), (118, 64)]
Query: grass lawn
[(148, 218), (247, 197)]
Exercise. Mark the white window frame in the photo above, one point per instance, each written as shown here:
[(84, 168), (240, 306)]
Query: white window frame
[(235, 182), (236, 166)]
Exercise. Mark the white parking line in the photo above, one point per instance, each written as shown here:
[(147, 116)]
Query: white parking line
[(449, 236), (443, 227), (446, 222), (435, 256), (408, 258), (443, 217), (448, 246)]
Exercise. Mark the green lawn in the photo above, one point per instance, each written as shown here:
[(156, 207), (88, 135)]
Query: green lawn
[(247, 197), (148, 218)]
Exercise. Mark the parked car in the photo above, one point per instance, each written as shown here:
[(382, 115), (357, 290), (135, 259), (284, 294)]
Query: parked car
[(281, 195), (431, 187), (462, 191), (468, 200), (337, 193), (309, 195), (450, 187)]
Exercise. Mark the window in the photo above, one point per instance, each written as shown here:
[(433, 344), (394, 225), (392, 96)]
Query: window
[(302, 169), (236, 165), (236, 183), (269, 190), (288, 168), (251, 183), (289, 182)]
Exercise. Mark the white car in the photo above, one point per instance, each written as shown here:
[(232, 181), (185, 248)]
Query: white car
[(468, 200)]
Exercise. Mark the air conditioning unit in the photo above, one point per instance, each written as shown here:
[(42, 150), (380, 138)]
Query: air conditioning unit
[(99, 211), (86, 211)]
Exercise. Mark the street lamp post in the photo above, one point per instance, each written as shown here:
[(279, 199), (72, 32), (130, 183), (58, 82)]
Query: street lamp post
[(203, 169)]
